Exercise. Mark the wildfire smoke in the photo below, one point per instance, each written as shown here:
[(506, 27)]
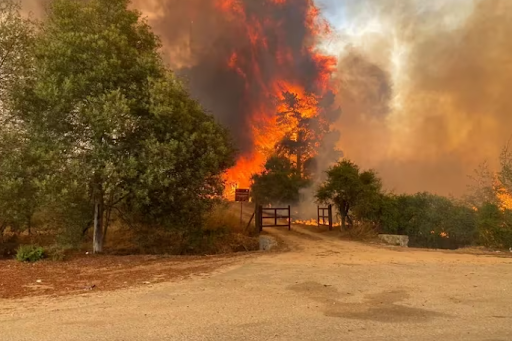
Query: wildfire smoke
[(241, 59), (423, 87)]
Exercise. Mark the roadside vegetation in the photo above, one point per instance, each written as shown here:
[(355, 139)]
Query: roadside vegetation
[(99, 141), (483, 217)]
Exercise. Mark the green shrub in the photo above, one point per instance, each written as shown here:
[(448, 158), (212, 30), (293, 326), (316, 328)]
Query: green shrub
[(29, 253), (429, 220), (494, 227), (57, 253)]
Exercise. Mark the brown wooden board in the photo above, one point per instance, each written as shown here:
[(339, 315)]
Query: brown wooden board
[(242, 194)]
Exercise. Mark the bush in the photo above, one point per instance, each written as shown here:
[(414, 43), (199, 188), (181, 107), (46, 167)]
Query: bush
[(57, 253), (29, 253), (429, 220), (494, 227)]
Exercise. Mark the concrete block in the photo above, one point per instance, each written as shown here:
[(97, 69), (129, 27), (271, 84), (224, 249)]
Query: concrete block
[(394, 239), (267, 243)]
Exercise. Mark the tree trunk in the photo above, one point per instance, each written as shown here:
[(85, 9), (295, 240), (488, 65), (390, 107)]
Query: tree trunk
[(299, 154), (342, 220), (3, 226), (97, 246), (107, 223), (29, 225)]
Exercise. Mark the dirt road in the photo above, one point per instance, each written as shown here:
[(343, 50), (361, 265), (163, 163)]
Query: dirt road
[(321, 289)]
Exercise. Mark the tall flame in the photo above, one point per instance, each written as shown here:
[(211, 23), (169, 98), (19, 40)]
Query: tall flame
[(267, 38), (502, 194)]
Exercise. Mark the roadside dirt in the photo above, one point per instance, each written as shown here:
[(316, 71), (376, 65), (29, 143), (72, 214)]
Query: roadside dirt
[(88, 273), (320, 288)]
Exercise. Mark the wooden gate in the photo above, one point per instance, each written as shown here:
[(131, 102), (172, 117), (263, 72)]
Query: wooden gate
[(325, 216), (270, 217)]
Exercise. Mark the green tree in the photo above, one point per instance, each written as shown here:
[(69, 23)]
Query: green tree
[(350, 190), (112, 118), (279, 183), (20, 165), (16, 35)]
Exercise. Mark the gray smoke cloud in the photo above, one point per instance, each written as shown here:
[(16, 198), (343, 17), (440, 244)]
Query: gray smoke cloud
[(423, 85), (424, 88)]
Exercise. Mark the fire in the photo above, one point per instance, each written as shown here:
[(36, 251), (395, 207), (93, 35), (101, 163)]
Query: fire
[(504, 197), (312, 222), (271, 65)]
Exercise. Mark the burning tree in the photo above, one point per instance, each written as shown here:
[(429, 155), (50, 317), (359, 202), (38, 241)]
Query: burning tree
[(303, 128), (243, 54)]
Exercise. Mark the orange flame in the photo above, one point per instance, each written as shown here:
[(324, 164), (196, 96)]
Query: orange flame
[(504, 197), (265, 129)]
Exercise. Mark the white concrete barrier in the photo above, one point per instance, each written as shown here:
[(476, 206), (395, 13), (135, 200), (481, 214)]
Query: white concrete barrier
[(394, 239), (267, 243)]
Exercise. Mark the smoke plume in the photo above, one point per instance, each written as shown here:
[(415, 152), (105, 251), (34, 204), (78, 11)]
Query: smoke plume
[(423, 85), (424, 89)]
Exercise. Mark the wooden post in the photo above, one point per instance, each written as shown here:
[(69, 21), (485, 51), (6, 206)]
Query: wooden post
[(289, 218), (241, 212), (250, 220), (259, 209), (318, 215), (330, 217)]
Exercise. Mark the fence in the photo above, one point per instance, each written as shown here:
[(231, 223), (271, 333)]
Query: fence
[(264, 214), (323, 214)]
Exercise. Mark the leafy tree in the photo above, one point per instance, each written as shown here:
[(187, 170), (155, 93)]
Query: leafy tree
[(350, 190), (16, 35), (113, 119), (20, 165), (279, 183)]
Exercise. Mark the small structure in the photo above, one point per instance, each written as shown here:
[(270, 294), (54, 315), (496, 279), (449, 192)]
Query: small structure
[(265, 214), (324, 216), (267, 243)]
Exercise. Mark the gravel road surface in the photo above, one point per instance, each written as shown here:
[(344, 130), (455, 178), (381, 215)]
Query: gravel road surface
[(322, 288)]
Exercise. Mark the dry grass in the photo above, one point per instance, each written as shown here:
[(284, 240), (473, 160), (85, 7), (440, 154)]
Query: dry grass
[(221, 233), (360, 232)]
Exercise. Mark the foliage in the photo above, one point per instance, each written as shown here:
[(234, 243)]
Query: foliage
[(494, 226), (220, 232), (21, 173), (20, 165), (351, 191), (16, 35), (57, 253), (429, 220), (117, 130), (29, 253), (180, 163), (279, 183)]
